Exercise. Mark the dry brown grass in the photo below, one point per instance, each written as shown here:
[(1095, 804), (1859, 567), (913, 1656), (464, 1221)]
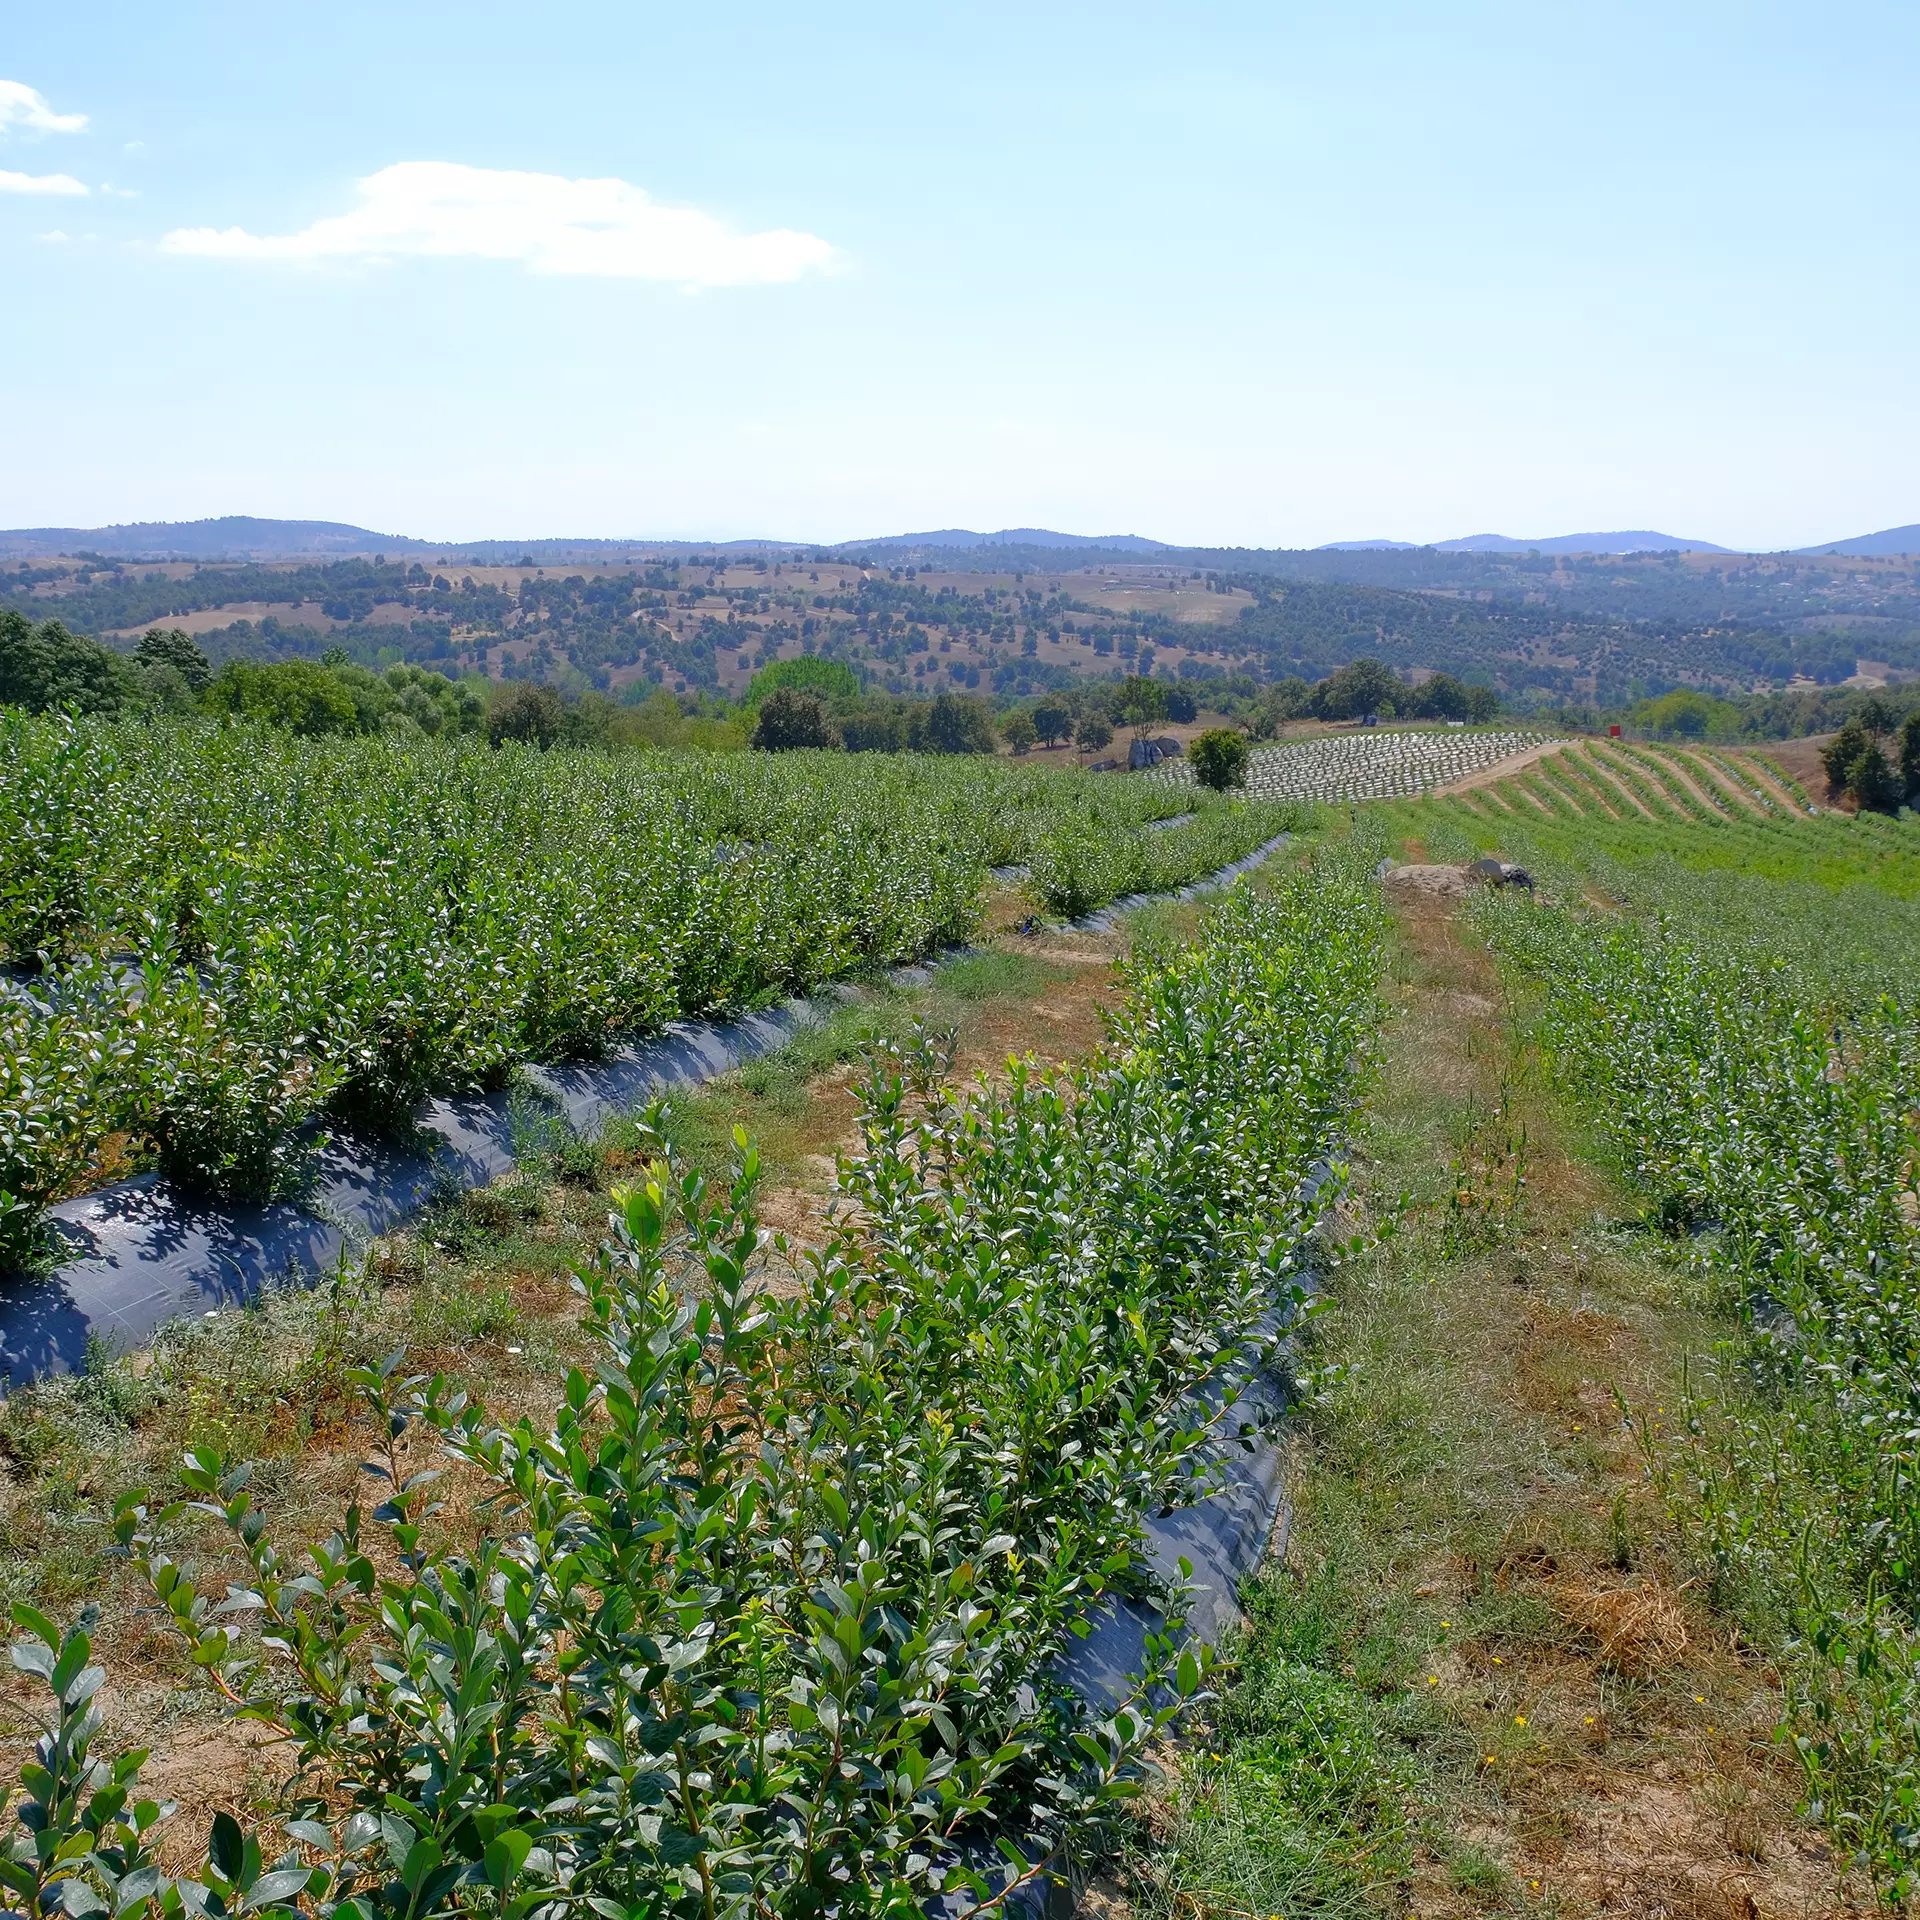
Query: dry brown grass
[(1615, 1735)]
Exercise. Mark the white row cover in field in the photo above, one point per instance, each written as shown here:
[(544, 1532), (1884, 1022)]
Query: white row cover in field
[(1366, 766)]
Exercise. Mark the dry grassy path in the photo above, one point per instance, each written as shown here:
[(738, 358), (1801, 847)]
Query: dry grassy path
[(1485, 1678)]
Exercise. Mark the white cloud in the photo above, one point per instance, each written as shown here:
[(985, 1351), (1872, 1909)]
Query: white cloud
[(55, 238), (60, 183), (24, 106), (602, 228)]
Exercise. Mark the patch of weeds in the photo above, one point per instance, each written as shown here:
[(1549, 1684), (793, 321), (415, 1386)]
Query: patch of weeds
[(1158, 930), (457, 1315), (478, 1225), (781, 1077), (538, 1131), (1472, 1869), (108, 1386), (1296, 1797), (994, 975)]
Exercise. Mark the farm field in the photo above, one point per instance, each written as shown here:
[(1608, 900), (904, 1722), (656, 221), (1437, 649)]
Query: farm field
[(1724, 979), (1599, 1459), (1377, 764), (222, 937), (953, 1359)]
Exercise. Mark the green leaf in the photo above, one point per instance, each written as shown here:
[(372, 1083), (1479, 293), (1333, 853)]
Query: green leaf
[(226, 1847), (506, 1854)]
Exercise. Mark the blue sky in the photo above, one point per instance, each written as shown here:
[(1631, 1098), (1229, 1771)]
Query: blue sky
[(1268, 275)]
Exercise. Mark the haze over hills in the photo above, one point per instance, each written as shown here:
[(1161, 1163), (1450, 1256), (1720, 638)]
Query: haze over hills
[(247, 537), (962, 538), (1006, 613), (1891, 540), (1636, 542)]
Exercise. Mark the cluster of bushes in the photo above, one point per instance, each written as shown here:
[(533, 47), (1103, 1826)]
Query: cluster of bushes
[(46, 667), (1369, 686), (820, 704), (1686, 713), (1871, 764)]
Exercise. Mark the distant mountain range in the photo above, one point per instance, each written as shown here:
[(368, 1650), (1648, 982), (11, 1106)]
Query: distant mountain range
[(1637, 542), (1893, 540), (1007, 537), (243, 537)]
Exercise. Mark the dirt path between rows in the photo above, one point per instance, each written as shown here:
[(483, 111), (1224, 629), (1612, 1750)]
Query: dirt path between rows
[(1604, 1741), (1500, 769)]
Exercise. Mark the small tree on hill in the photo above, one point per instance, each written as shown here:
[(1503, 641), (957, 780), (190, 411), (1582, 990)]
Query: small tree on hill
[(1442, 698), (1140, 703), (174, 647), (1857, 767), (534, 715), (1054, 719), (831, 680), (47, 666), (954, 724), (1839, 755), (1360, 687), (1910, 757), (1873, 782), (1182, 707), (1095, 731), (1219, 758), (1018, 730), (790, 719)]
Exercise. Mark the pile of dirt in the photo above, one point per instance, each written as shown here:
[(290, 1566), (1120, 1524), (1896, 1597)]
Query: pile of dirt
[(1439, 881)]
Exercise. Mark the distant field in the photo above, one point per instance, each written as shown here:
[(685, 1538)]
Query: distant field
[(1377, 764)]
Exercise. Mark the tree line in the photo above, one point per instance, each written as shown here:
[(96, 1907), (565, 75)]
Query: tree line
[(810, 701)]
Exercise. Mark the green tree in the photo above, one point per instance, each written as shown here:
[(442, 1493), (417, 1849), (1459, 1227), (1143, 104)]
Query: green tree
[(1483, 704), (1285, 700), (1140, 702), (1910, 757), (1018, 730), (876, 726), (1873, 782), (436, 705), (296, 694), (790, 720), (531, 713), (1054, 719), (831, 680), (1182, 707), (953, 724), (1360, 687), (1857, 765), (1219, 758), (46, 666), (1094, 731), (1841, 754), (1686, 714), (174, 647), (1442, 698)]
